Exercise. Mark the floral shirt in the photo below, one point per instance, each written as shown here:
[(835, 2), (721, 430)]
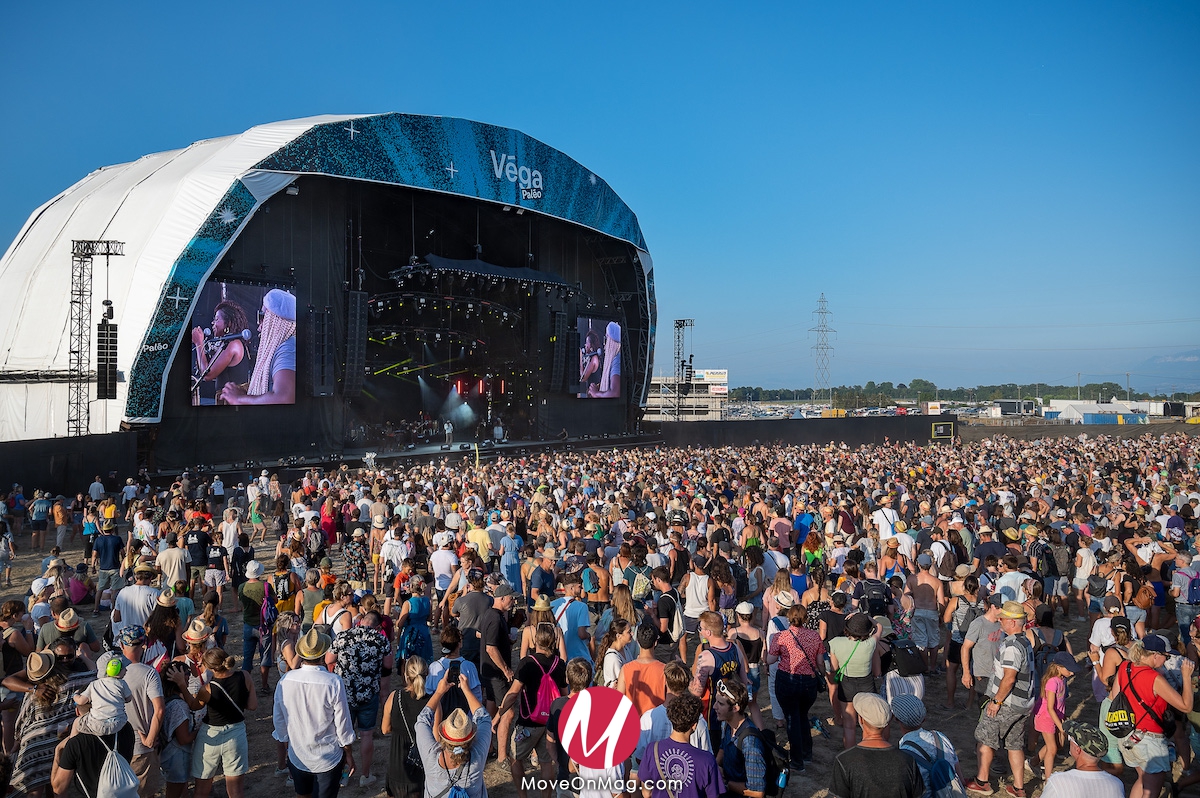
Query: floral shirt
[(360, 651), (357, 555)]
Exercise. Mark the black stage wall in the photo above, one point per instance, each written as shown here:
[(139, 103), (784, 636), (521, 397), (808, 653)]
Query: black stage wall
[(850, 431), (68, 465)]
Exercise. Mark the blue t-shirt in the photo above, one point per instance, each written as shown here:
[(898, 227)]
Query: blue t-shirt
[(575, 618), (284, 359), (108, 552), (39, 510), (542, 581), (801, 526)]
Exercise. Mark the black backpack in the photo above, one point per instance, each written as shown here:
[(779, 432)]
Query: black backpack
[(774, 756), (1097, 586), (907, 659), (875, 593), (741, 580)]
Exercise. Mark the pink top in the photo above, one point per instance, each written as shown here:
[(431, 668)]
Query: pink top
[(1056, 690)]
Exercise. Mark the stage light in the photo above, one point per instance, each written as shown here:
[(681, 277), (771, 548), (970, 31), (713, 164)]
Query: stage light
[(293, 190), (506, 209), (520, 211)]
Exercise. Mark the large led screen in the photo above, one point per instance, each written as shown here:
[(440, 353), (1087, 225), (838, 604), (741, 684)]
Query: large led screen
[(599, 358), (243, 345)]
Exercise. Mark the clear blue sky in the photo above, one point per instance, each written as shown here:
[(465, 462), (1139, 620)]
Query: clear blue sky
[(984, 192)]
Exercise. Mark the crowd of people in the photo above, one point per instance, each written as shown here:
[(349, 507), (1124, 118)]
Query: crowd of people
[(747, 601)]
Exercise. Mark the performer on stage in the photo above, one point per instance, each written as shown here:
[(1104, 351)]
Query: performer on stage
[(274, 379), (610, 378), (220, 361), (589, 363)]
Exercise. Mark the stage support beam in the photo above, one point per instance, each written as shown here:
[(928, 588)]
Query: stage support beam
[(79, 359)]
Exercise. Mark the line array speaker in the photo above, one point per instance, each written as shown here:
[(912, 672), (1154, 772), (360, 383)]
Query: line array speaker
[(322, 379), (106, 360), (559, 350), (356, 342)]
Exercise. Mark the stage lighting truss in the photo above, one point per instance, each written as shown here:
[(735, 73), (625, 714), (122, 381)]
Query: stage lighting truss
[(421, 303)]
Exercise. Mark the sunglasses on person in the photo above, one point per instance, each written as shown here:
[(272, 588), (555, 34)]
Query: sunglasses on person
[(724, 690)]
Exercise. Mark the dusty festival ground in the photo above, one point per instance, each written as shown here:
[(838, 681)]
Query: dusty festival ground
[(261, 782)]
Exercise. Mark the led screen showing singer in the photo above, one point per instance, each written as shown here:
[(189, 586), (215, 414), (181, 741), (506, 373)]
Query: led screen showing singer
[(244, 346), (599, 358)]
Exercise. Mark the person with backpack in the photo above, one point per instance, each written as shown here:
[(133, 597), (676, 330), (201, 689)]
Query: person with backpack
[(1087, 746), (669, 619), (101, 764), (1058, 580), (747, 760), (959, 613), (932, 750), (1142, 695), (572, 616), (798, 656), (1185, 587), (541, 678)]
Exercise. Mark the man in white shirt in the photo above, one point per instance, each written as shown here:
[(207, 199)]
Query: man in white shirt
[(885, 517), (134, 604), (312, 716), (96, 489), (443, 562), (1086, 780)]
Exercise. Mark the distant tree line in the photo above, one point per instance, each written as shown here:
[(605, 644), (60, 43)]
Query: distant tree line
[(884, 394)]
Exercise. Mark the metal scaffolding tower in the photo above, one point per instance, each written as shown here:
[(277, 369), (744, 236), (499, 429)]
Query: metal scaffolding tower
[(80, 357), (682, 364), (822, 350)]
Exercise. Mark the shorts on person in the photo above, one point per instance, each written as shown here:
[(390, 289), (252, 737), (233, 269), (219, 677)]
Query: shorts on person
[(851, 686), (220, 749), (495, 688), (1135, 614), (1057, 585), (1146, 751), (1079, 584), (926, 629), (215, 577), (526, 739), (175, 762), (364, 716), (108, 579), (1005, 732), (198, 572)]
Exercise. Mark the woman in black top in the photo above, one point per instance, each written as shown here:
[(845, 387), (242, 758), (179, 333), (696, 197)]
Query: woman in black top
[(405, 774), (221, 745)]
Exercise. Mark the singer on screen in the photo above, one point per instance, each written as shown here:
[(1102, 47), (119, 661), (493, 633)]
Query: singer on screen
[(609, 386), (589, 363), (218, 362), (273, 381)]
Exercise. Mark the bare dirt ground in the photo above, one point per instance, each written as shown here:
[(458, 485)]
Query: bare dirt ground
[(261, 782)]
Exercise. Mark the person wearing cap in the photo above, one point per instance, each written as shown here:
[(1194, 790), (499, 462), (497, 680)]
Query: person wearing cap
[(1145, 688), (147, 709), (312, 715), (134, 603), (572, 617), (1086, 778), (1011, 695), (273, 381), (1050, 709), (874, 767), (106, 561), (455, 756), (926, 745)]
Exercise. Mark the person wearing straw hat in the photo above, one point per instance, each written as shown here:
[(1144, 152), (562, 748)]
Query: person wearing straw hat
[(53, 685), (455, 756), (1011, 696), (312, 715)]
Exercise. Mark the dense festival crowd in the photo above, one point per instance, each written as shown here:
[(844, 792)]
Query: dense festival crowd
[(747, 602)]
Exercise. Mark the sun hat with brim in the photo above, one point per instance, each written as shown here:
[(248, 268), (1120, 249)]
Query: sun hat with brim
[(67, 621), (893, 543), (379, 522), (313, 645), (167, 597), (1012, 610), (197, 632), (145, 568), (457, 730), (542, 604), (1012, 533), (254, 569), (39, 665), (784, 601), (132, 635)]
